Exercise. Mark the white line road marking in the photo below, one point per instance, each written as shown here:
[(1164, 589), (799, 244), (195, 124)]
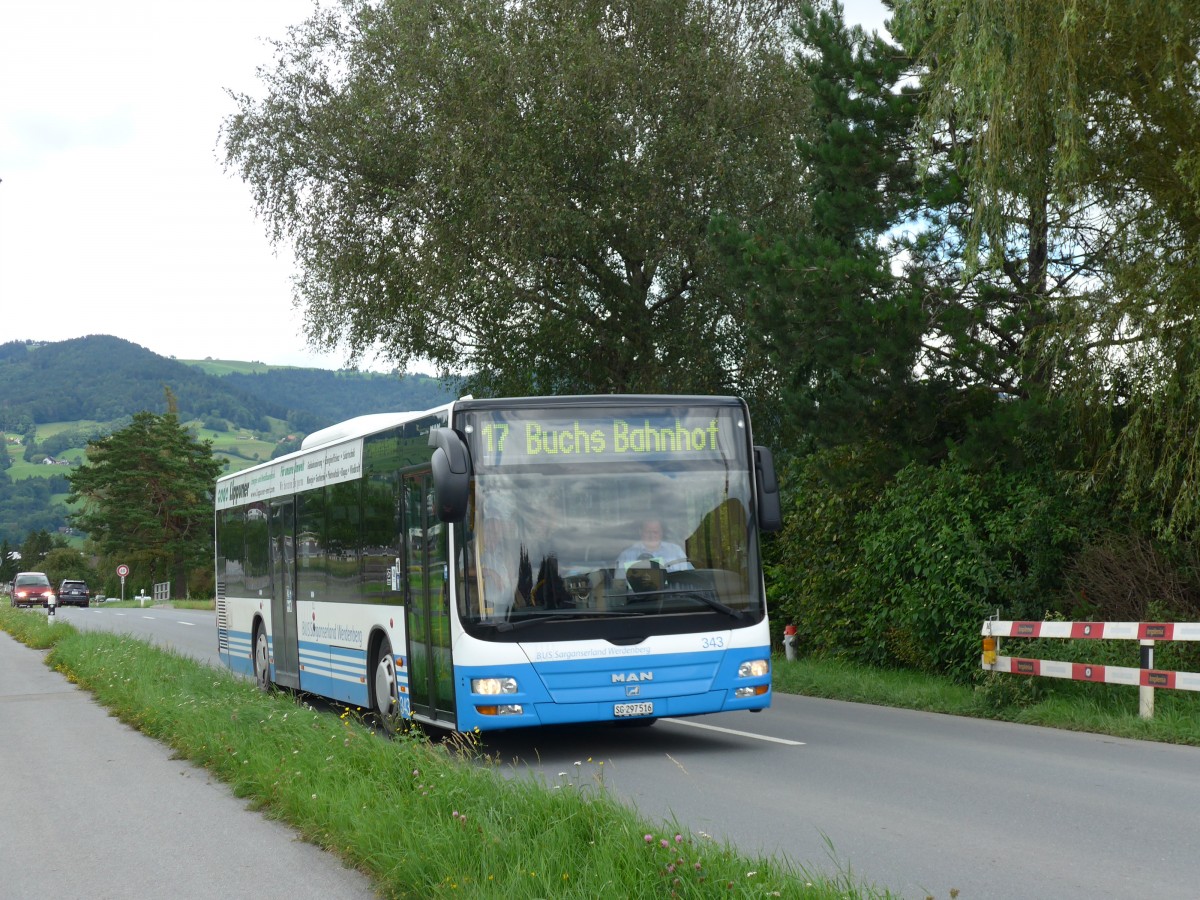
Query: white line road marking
[(749, 734), (188, 623)]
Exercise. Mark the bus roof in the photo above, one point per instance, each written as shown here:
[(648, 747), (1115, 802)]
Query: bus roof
[(358, 427)]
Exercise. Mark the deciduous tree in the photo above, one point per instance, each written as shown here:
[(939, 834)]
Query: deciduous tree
[(522, 191)]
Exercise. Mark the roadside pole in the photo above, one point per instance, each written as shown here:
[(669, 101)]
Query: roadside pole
[(123, 571)]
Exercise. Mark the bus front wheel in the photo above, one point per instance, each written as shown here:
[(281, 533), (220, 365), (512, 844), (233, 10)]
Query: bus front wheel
[(387, 695), (262, 659)]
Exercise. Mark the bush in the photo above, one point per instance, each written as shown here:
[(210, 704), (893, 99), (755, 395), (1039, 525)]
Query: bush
[(1122, 577), (947, 546), (809, 565), (902, 574)]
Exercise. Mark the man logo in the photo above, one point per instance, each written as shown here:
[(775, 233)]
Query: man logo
[(631, 677)]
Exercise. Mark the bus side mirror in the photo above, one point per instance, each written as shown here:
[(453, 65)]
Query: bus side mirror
[(451, 474), (770, 517)]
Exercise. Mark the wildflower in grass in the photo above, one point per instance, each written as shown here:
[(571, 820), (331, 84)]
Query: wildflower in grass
[(649, 839)]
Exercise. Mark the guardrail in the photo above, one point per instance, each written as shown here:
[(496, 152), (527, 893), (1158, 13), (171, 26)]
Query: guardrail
[(1146, 677)]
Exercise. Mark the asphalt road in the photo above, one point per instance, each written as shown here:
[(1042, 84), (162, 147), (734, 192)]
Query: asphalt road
[(919, 803)]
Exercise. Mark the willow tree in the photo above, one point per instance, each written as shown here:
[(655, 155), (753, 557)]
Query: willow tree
[(1077, 123), (521, 191)]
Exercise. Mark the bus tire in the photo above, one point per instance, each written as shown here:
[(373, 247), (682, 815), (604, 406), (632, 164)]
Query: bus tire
[(385, 696), (262, 659)]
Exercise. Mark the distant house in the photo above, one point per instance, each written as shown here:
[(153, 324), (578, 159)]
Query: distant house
[(51, 461)]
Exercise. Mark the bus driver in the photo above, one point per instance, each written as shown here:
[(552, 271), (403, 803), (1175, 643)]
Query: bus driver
[(654, 549)]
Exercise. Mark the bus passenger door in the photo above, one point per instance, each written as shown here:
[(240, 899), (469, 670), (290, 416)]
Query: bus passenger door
[(430, 670), (284, 635)]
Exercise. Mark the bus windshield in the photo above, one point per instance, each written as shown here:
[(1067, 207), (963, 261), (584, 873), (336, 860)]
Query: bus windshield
[(596, 514)]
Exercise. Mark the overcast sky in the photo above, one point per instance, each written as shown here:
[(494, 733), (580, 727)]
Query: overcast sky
[(115, 214)]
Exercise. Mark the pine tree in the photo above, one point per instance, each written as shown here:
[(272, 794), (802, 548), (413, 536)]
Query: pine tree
[(147, 492), (8, 565), (836, 326)]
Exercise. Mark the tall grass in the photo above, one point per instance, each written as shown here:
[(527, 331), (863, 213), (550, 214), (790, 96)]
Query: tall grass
[(421, 819), (1076, 706)]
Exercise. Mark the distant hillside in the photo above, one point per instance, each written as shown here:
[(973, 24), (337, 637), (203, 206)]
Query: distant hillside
[(102, 379), (315, 398), (54, 397)]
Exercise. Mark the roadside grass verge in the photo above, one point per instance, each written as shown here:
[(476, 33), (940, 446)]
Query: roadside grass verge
[(134, 603), (1075, 706), (421, 819)]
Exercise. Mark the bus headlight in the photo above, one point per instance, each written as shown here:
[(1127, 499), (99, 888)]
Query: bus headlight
[(493, 685), (754, 668)]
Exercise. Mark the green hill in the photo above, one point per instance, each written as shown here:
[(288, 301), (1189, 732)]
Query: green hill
[(104, 378), (56, 396)]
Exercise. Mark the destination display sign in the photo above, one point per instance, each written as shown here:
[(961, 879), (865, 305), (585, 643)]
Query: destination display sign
[(551, 436), (293, 475)]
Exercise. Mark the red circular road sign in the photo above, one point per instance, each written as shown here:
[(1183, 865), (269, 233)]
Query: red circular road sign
[(122, 570)]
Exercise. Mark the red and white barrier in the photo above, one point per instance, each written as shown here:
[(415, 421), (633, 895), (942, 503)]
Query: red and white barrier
[(1046, 668), (1146, 633), (1100, 631)]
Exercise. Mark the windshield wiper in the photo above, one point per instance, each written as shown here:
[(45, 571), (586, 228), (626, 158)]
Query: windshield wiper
[(706, 598), (565, 616), (526, 622)]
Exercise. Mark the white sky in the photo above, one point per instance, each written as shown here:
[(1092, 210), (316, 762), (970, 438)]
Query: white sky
[(115, 214)]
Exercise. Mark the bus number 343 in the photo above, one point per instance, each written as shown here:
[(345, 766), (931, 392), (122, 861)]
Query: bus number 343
[(712, 643)]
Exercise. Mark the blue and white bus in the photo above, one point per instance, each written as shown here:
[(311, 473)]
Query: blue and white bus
[(503, 563)]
